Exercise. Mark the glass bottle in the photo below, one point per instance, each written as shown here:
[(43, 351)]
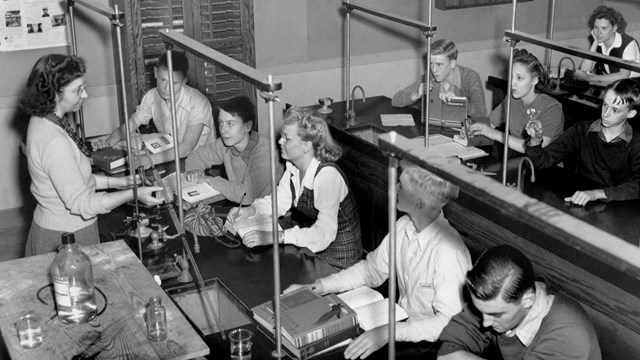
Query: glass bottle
[(73, 283), (156, 319)]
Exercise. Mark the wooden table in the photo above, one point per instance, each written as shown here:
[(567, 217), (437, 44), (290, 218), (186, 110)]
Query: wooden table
[(118, 333)]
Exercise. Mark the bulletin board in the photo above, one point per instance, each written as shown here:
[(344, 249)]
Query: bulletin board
[(32, 24)]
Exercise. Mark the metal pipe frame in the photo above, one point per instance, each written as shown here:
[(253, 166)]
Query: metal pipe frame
[(512, 47), (115, 18), (427, 30), (268, 86), (551, 29), (79, 115), (425, 104), (393, 196), (585, 54)]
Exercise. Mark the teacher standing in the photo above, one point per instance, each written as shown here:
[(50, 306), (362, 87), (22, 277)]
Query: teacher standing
[(58, 160)]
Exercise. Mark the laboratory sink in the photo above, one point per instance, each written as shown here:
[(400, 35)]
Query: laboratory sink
[(366, 132)]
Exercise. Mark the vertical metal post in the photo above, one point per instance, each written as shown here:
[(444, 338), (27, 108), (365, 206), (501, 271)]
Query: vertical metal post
[(174, 130), (117, 24), (505, 153), (270, 98), (425, 106), (393, 179), (551, 25), (79, 115), (347, 57)]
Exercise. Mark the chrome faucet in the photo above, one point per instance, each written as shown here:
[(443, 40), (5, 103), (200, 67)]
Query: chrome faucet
[(573, 64), (533, 172), (351, 113)]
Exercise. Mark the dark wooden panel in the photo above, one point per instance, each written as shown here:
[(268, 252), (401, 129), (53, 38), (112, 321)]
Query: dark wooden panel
[(459, 4)]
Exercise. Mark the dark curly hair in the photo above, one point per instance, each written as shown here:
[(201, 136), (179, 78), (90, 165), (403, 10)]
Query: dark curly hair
[(611, 14), (534, 67), (49, 75)]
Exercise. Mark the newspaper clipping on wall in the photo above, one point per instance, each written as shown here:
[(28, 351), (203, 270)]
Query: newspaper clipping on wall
[(32, 24)]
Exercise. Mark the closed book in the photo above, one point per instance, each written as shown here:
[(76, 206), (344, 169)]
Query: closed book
[(465, 137), (336, 340), (306, 316), (108, 158)]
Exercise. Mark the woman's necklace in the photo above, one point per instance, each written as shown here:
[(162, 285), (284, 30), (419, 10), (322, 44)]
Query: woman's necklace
[(54, 118)]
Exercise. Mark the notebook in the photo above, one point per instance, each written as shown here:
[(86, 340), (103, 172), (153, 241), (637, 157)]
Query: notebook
[(450, 113)]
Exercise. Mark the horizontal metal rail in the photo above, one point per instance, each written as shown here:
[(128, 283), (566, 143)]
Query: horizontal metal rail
[(586, 54), (221, 60), (395, 18)]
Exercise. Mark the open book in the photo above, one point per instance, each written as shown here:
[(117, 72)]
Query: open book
[(445, 146), (371, 307)]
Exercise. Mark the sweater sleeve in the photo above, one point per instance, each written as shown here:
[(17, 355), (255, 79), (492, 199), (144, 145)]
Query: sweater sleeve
[(65, 176), (463, 334), (567, 143), (631, 189), (205, 156), (473, 91), (403, 97)]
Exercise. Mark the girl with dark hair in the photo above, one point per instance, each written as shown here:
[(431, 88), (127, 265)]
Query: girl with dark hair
[(58, 160), (243, 152), (528, 80), (323, 210), (608, 33)]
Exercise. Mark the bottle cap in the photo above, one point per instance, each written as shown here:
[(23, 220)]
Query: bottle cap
[(155, 299), (68, 238)]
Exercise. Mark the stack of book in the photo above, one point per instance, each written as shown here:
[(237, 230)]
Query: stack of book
[(310, 323), (109, 159)]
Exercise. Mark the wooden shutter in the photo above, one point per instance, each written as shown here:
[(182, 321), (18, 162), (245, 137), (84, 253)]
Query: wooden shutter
[(226, 26)]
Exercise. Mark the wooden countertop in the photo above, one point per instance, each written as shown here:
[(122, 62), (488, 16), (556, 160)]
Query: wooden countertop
[(119, 332)]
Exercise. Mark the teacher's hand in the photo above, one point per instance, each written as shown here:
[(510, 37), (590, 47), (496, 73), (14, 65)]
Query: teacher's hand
[(150, 195)]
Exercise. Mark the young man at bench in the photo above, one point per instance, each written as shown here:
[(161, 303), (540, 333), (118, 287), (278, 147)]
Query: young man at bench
[(512, 313)]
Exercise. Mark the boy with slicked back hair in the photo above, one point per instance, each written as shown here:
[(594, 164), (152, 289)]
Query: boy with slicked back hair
[(512, 313)]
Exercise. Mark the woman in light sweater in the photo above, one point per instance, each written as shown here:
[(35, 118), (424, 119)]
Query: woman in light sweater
[(59, 163)]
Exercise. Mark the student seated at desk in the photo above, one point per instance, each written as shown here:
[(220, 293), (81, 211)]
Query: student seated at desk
[(67, 192), (323, 210), (431, 259), (528, 81), (512, 313), (608, 32), (243, 152), (608, 149), (448, 79), (193, 112)]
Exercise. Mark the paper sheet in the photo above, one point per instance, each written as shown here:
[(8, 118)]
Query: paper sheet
[(397, 119)]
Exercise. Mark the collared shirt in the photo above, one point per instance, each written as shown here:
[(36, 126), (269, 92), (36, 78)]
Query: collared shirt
[(431, 268), (192, 107), (329, 191), (626, 135), (529, 326), (630, 53)]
